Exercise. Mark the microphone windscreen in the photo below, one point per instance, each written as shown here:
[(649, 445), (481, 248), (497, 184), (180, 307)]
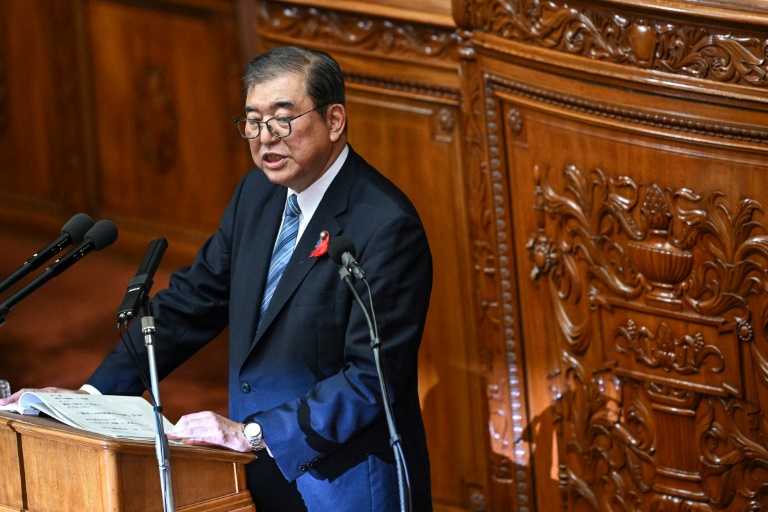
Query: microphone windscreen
[(338, 245), (77, 227), (102, 234)]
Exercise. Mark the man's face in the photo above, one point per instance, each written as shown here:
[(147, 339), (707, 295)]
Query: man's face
[(300, 159)]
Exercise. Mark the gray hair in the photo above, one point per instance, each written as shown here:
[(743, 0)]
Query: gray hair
[(324, 81)]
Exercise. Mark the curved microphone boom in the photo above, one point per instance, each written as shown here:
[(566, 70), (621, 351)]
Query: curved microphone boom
[(72, 232), (101, 235), (342, 251)]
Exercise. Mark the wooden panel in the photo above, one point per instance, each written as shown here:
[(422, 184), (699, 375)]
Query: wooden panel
[(416, 145), (11, 492), (103, 474), (79, 481), (41, 142), (617, 323), (121, 110), (166, 88), (615, 177)]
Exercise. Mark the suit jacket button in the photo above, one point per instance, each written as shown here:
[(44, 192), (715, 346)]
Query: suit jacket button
[(303, 468), (245, 387)]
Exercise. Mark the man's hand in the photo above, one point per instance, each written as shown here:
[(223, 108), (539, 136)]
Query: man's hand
[(15, 397), (210, 429)]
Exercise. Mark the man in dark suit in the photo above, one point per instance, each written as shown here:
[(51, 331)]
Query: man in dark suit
[(303, 386)]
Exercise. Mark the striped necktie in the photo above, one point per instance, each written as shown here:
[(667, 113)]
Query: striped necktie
[(286, 241)]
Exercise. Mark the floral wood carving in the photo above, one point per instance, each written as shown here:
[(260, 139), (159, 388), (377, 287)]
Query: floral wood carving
[(359, 33), (596, 284), (734, 456), (610, 460), (612, 445), (730, 244), (586, 205), (663, 349), (588, 222), (603, 34)]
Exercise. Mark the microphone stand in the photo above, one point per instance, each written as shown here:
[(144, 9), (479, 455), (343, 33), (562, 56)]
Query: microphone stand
[(162, 449), (394, 437)]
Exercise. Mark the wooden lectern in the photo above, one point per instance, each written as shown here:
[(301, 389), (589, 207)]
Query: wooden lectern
[(46, 466)]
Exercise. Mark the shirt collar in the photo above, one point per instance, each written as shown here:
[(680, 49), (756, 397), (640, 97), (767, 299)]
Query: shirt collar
[(310, 198)]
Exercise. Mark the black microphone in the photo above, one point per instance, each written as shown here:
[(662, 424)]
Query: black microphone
[(101, 235), (342, 251), (139, 286), (71, 233)]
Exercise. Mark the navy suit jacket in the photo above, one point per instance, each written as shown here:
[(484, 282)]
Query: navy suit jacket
[(308, 375)]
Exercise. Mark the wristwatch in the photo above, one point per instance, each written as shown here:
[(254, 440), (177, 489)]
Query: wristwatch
[(252, 432)]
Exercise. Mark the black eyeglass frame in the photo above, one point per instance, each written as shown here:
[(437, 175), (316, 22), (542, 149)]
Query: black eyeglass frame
[(278, 118)]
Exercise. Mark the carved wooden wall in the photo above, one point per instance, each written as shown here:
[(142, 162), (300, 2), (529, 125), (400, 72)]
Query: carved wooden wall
[(616, 154)]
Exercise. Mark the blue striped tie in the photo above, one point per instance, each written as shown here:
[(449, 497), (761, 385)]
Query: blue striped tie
[(286, 241)]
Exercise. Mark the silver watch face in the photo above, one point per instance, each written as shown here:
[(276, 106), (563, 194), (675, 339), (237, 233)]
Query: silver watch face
[(252, 431)]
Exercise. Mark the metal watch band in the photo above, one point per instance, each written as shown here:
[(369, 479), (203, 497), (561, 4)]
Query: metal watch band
[(257, 441)]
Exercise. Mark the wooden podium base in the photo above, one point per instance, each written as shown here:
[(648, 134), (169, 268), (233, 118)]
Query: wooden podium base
[(46, 466)]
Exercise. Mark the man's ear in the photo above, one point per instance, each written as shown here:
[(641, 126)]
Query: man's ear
[(336, 117)]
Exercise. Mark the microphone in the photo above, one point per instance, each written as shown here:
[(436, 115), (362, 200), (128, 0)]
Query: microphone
[(139, 286), (101, 235), (342, 251), (71, 233)]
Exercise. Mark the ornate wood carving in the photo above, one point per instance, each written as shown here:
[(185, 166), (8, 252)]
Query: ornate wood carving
[(673, 337), (417, 89), (376, 36), (496, 309), (642, 41), (656, 294), (684, 354), (704, 130)]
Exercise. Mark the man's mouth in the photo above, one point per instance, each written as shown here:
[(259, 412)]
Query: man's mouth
[(272, 158)]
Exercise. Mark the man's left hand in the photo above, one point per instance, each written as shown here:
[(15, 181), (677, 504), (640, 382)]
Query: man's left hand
[(210, 429)]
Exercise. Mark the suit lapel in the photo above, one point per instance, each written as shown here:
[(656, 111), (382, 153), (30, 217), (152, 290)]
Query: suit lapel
[(255, 257)]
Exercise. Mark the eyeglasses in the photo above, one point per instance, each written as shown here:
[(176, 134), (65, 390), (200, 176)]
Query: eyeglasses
[(278, 126)]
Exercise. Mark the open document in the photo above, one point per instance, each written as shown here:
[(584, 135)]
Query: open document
[(127, 417)]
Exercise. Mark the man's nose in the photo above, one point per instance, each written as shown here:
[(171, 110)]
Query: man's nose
[(266, 135)]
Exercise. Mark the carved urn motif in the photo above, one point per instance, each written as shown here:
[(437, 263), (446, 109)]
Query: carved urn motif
[(661, 263)]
